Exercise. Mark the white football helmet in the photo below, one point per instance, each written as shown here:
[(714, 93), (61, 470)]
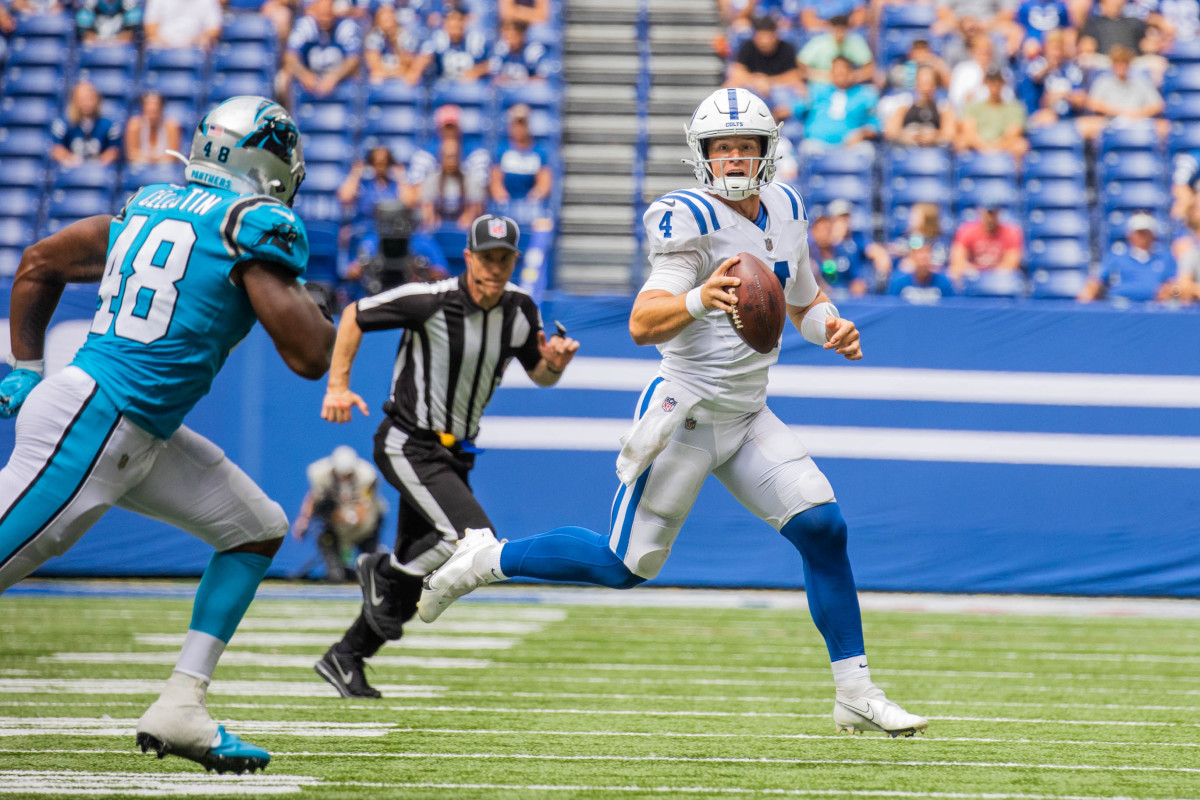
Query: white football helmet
[(732, 112)]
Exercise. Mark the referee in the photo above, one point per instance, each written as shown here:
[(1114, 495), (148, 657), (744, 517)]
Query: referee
[(459, 336)]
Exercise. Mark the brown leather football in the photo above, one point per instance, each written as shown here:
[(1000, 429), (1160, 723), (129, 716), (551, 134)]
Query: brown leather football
[(759, 314)]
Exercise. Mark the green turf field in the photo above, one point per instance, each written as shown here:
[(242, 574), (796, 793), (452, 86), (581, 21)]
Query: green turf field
[(546, 700)]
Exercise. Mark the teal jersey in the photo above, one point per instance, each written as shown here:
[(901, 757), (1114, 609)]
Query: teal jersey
[(168, 313)]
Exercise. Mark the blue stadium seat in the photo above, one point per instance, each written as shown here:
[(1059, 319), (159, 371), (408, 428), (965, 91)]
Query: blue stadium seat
[(1182, 138), (20, 203), (544, 126), (475, 123), (1059, 136), (326, 118), (1054, 194), (1133, 195), (123, 57), (28, 112), (1063, 284), (24, 172), (906, 191), (23, 142), (39, 53), (322, 251), (916, 161), (996, 284), (908, 15), (402, 147), (1056, 254), (1136, 166), (895, 43), (327, 148), (245, 5), (146, 174), (1058, 224), (44, 26), (324, 178), (468, 95), (318, 206), (853, 189), (88, 175), (222, 87), (175, 87), (840, 162), (33, 81), (1184, 52), (977, 192), (1182, 78), (1183, 107), (1136, 137), (79, 203), (15, 233), (535, 94), (1055, 165), (248, 28), (244, 57), (347, 93), (985, 165), (396, 93), (112, 83), (10, 259), (190, 60), (392, 121)]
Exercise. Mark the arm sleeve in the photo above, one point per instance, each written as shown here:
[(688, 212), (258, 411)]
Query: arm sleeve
[(803, 289), (1186, 169), (264, 229), (58, 131), (528, 353), (676, 272), (405, 306), (299, 35), (348, 38)]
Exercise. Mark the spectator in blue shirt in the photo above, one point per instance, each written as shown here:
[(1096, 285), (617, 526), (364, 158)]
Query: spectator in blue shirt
[(514, 61), (1185, 183), (322, 50), (837, 114), (521, 179), (376, 179), (390, 50), (83, 135), (1144, 271), (108, 22), (844, 260), (1051, 86), (1039, 17), (922, 285), (454, 53)]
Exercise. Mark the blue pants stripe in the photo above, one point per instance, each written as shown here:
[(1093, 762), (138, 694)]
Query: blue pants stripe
[(626, 520), (60, 478)]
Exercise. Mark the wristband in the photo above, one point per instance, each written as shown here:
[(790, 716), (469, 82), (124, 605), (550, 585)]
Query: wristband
[(695, 303), (37, 365), (812, 327)]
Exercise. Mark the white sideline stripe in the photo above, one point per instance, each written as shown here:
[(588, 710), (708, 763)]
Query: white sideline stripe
[(219, 688), (418, 641), (91, 726), (327, 603), (933, 385), (242, 659), (70, 782), (889, 444), (339, 624)]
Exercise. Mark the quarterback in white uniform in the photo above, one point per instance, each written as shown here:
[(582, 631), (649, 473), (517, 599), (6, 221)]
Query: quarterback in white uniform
[(705, 413)]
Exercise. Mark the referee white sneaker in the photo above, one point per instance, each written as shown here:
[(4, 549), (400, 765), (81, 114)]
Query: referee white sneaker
[(872, 711), (475, 563)]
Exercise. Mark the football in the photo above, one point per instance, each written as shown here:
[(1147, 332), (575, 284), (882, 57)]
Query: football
[(759, 314)]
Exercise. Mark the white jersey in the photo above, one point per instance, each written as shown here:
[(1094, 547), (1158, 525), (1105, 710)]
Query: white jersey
[(689, 234)]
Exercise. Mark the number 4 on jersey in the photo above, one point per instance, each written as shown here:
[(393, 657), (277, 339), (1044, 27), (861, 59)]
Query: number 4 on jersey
[(665, 225)]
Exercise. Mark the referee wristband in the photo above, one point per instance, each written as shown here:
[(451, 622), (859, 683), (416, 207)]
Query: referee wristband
[(695, 303)]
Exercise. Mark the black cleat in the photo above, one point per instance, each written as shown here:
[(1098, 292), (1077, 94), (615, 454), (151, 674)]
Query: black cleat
[(382, 595), (345, 673), (229, 754)]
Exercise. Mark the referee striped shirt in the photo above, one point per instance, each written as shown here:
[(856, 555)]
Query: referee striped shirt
[(453, 354)]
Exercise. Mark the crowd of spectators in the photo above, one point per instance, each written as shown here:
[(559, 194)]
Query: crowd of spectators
[(1002, 88), (129, 77)]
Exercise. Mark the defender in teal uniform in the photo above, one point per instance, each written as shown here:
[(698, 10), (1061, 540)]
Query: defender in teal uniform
[(184, 273)]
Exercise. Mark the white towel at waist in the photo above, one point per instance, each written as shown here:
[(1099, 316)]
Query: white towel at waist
[(669, 406)]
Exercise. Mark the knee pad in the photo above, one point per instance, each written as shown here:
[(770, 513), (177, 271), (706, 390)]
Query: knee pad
[(649, 564), (820, 526)]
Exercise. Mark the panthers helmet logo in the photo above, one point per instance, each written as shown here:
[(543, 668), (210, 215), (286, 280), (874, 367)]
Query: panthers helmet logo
[(282, 236), (277, 136)]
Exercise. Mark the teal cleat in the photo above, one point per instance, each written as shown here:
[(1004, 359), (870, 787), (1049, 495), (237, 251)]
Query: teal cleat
[(227, 754)]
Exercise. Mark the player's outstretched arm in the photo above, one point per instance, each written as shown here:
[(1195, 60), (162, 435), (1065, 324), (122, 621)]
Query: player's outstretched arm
[(302, 333), (658, 316), (75, 254), (826, 328), (338, 397)]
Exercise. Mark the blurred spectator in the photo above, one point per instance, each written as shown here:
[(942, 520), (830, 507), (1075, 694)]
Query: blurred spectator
[(7, 26), (903, 75), (1052, 86), (1186, 251), (736, 15), (525, 12), (924, 226), (1143, 271), (996, 124), (766, 65), (872, 258), (281, 13), (1038, 18), (454, 53), (25, 8), (996, 16), (83, 135), (173, 24), (967, 78), (451, 195), (149, 134), (817, 56), (1183, 16), (927, 122), (447, 124), (844, 261), (837, 114), (922, 284), (395, 251), (818, 15), (522, 178), (390, 50), (956, 46), (1122, 97), (985, 244), (322, 51), (514, 61), (1185, 183), (107, 22), (375, 179), (1152, 64), (343, 499), (1110, 28)]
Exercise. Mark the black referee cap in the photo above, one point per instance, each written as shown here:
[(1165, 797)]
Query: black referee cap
[(491, 231)]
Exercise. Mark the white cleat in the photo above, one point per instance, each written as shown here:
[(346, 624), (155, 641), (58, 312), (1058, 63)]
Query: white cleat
[(872, 711), (465, 571)]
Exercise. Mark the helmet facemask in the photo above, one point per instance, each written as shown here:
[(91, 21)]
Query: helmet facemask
[(762, 168)]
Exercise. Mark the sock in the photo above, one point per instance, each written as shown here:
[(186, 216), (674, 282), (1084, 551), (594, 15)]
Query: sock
[(820, 535), (226, 589), (360, 639), (851, 676), (567, 554)]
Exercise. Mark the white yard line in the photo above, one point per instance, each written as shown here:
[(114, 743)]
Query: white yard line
[(219, 688), (89, 726), (70, 782), (339, 624), (245, 659), (418, 641)]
